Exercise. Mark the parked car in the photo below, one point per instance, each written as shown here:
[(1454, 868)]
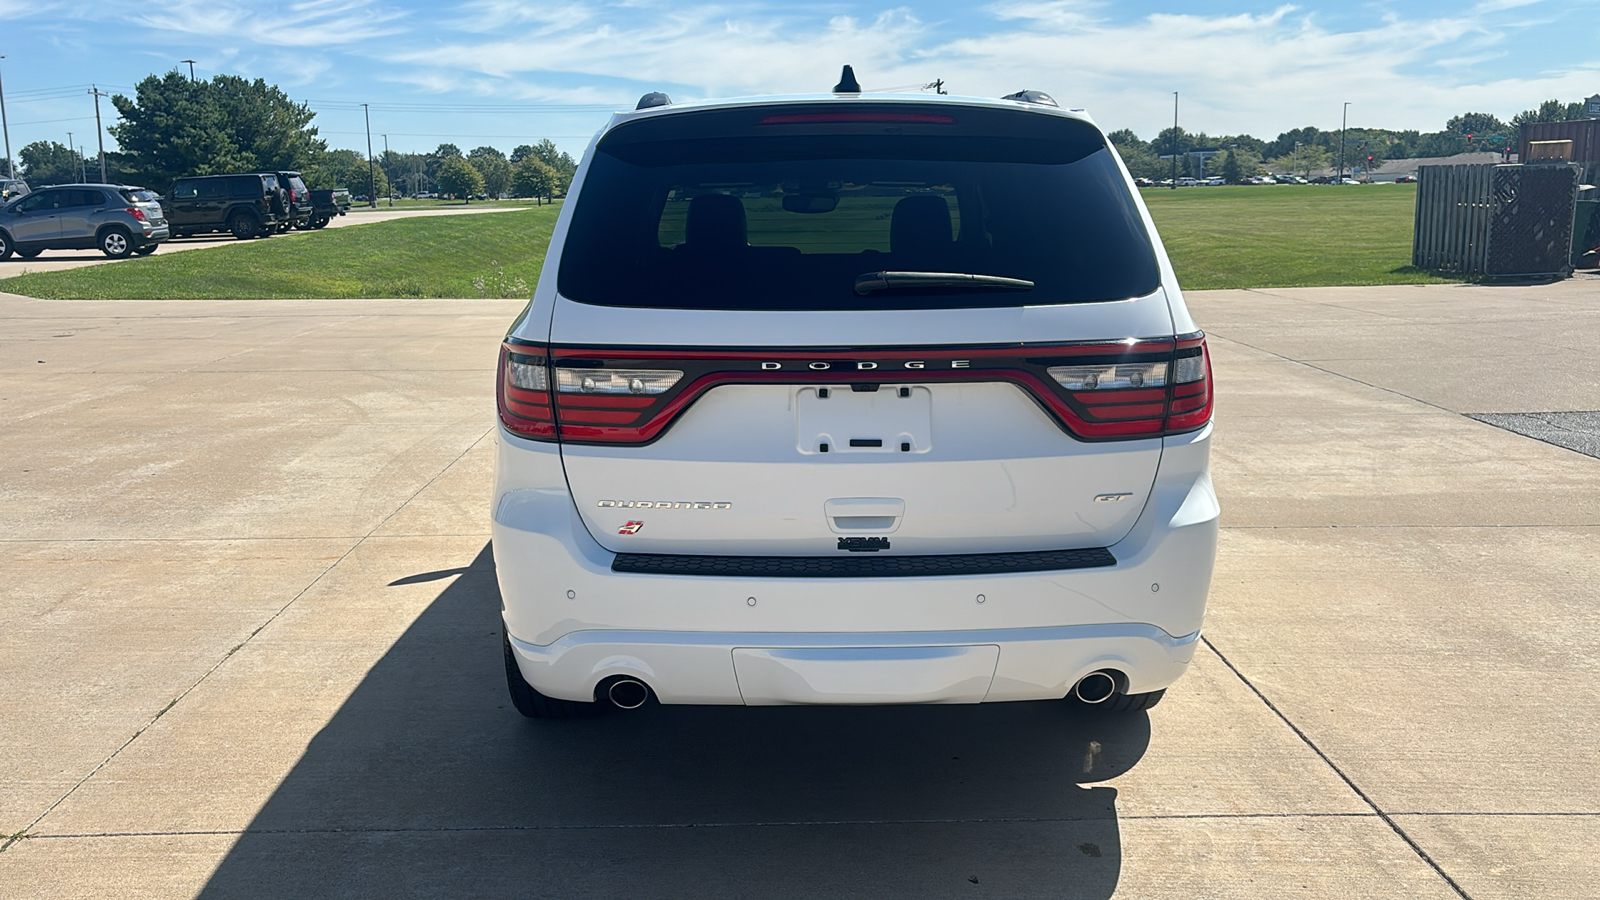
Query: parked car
[(295, 209), (11, 188), (118, 219), (1406, 179), (247, 206), (326, 204), (885, 399)]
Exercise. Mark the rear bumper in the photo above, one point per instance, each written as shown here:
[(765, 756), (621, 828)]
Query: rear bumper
[(763, 668), (575, 622)]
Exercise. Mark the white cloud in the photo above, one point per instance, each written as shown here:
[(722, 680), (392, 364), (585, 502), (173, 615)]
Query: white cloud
[(1260, 73), (296, 24)]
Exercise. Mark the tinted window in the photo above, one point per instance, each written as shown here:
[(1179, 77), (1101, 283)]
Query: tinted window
[(298, 185), (213, 189), (81, 197), (245, 185), (785, 207), (41, 201), (185, 190)]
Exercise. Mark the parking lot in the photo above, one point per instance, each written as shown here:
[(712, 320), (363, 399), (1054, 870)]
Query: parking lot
[(56, 260), (249, 640)]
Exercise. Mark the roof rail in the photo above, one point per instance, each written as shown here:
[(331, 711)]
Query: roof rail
[(1039, 97), (653, 100)]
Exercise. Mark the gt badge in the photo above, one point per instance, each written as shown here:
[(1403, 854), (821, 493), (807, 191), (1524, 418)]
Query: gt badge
[(630, 528)]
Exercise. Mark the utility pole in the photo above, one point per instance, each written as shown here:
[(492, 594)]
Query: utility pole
[(70, 145), (1342, 123), (11, 167), (1174, 140), (390, 192), (372, 179), (95, 90), (1296, 158), (83, 166), (191, 68)]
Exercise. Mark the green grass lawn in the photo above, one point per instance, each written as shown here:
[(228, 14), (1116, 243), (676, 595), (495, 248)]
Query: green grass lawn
[(435, 256), (1288, 235), (1219, 237)]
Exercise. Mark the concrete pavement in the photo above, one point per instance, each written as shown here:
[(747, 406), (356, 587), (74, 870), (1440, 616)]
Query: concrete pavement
[(248, 635), (56, 260)]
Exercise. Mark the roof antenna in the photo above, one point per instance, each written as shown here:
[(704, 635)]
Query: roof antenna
[(847, 82)]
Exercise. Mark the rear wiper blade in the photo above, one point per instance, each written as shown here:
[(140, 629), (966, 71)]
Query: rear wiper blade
[(874, 282)]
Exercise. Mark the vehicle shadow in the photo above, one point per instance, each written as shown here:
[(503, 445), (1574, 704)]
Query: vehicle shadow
[(427, 783)]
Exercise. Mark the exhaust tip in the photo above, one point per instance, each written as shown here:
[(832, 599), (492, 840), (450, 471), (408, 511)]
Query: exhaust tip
[(1095, 687), (628, 693)]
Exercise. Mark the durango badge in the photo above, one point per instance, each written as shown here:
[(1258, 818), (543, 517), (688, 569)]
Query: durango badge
[(630, 528)]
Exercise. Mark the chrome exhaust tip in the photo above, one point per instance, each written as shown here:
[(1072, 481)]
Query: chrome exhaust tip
[(628, 693), (1095, 687)]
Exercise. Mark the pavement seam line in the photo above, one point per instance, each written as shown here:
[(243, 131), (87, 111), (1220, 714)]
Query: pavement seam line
[(1349, 782), (23, 834)]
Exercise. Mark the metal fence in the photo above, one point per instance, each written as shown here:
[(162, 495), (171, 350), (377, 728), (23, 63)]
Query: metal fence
[(1495, 220)]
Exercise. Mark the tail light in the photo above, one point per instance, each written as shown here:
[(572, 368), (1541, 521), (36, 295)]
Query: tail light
[(1163, 395), (136, 212), (1098, 391)]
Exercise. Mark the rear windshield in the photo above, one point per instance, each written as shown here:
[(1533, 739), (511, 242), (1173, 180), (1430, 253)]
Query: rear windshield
[(786, 208), (139, 195)]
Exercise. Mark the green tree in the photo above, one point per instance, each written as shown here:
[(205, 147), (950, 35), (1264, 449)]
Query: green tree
[(521, 152), (1476, 124), (459, 179), (545, 151), (532, 178), (1549, 111), (345, 169), (496, 171), (173, 127), (1230, 168), (1310, 158), (47, 162)]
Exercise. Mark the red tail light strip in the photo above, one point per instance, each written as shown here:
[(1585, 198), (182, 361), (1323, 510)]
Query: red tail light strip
[(1093, 415)]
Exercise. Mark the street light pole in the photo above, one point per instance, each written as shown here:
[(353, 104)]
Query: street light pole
[(1296, 158), (191, 68), (1342, 123), (11, 167), (1174, 140), (372, 179), (390, 191)]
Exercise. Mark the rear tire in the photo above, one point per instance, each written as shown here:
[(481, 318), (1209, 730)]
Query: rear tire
[(29, 254), (147, 249), (116, 243), (5, 245), (320, 222), (244, 226), (530, 702)]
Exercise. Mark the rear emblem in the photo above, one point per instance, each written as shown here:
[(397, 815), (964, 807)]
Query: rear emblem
[(630, 528), (864, 544), (1111, 498)]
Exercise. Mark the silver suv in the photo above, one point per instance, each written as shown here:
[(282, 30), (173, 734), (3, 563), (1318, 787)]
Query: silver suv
[(117, 219)]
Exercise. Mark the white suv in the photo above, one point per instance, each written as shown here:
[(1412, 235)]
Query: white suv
[(850, 399)]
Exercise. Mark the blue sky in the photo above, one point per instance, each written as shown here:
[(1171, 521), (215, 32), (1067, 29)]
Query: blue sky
[(505, 72)]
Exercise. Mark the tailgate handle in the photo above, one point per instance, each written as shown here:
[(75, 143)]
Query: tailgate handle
[(857, 514)]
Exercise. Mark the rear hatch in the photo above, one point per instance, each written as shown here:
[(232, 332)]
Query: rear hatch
[(897, 328), (147, 202)]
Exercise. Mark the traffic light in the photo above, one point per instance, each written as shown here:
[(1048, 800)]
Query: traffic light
[(1369, 160), (1469, 138)]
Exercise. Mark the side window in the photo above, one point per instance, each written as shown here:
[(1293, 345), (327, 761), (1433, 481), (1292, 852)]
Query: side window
[(40, 202), (185, 190), (213, 189), (84, 198), (245, 187)]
